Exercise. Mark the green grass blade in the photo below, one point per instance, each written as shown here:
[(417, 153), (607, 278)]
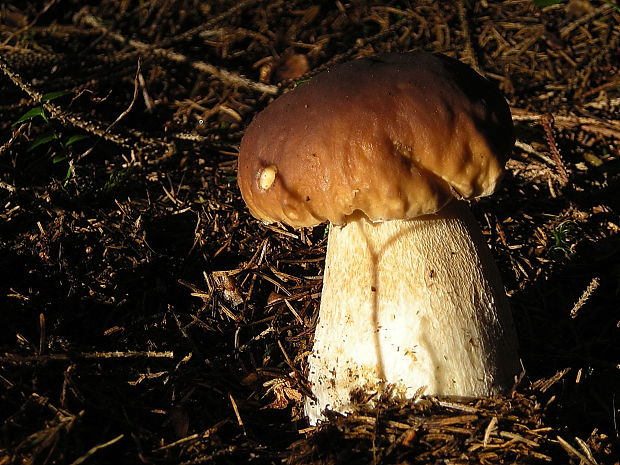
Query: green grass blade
[(30, 114), (73, 139), (53, 95), (41, 140)]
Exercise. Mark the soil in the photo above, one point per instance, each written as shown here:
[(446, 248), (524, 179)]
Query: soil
[(146, 317)]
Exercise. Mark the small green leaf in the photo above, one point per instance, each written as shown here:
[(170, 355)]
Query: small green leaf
[(613, 5), (53, 95), (592, 159), (544, 3), (59, 158), (69, 175), (73, 139), (41, 140), (300, 82), (30, 114), (117, 177)]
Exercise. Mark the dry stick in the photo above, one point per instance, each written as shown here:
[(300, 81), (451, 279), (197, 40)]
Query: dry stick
[(574, 452), (518, 437), (66, 381), (490, 429), (94, 449), (585, 448), (123, 114), (547, 124), (594, 284), (59, 412), (237, 414), (361, 42), (54, 110), (543, 385), (288, 359), (16, 133), (245, 346), (222, 74), (15, 359), (609, 102), (469, 48), (604, 127), (41, 333), (72, 119), (41, 12), (584, 20), (203, 435), (188, 35), (529, 149), (6, 185)]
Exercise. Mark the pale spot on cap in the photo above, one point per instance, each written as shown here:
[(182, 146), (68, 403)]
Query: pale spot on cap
[(267, 176)]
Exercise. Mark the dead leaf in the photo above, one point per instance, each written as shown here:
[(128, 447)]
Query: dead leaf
[(283, 392)]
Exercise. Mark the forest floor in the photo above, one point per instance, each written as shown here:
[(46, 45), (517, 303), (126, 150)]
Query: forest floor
[(146, 317)]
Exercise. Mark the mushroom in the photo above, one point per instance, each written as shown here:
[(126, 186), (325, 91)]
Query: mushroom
[(386, 149)]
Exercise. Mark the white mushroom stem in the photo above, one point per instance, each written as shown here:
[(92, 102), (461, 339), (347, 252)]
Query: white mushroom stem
[(411, 305)]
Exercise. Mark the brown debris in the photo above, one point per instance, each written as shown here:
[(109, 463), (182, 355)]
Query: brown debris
[(496, 430), (147, 318)]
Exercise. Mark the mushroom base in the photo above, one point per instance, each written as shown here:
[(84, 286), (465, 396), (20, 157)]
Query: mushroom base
[(407, 307)]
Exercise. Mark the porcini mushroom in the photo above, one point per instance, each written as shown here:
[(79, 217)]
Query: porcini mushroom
[(385, 149)]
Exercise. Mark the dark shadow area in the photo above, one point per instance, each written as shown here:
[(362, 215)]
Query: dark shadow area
[(145, 317), (552, 340)]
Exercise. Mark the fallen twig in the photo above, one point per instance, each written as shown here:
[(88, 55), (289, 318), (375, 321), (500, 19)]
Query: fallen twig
[(94, 449), (237, 414), (469, 48), (40, 13), (607, 127), (16, 133), (15, 359), (122, 115), (566, 30), (188, 35), (222, 74), (359, 44), (529, 149), (574, 452), (547, 123), (585, 296), (68, 118)]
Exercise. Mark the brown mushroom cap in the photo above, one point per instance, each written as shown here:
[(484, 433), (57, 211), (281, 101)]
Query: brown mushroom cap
[(392, 137)]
